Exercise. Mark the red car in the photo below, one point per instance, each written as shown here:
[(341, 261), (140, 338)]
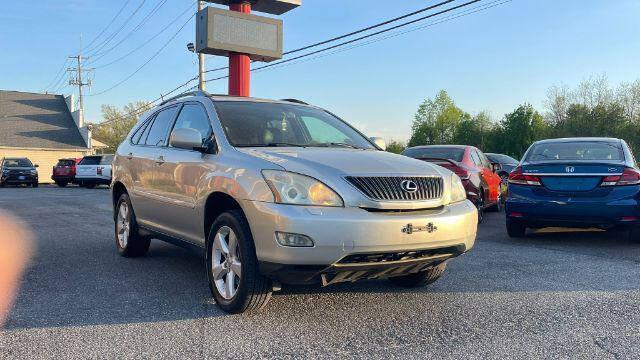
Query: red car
[(65, 172), (471, 165)]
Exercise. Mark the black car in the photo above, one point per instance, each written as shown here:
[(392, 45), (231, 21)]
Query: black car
[(18, 171), (506, 164)]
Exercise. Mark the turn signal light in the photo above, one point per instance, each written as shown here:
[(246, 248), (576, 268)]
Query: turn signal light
[(518, 177)]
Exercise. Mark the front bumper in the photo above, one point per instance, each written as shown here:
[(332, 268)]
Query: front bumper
[(18, 179), (340, 232)]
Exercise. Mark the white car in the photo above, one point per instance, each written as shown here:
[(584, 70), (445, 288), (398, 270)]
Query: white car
[(94, 170)]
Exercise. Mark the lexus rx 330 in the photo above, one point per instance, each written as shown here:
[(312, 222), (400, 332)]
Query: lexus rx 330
[(280, 192)]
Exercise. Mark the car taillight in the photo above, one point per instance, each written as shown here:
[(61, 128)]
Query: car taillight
[(518, 177), (629, 176)]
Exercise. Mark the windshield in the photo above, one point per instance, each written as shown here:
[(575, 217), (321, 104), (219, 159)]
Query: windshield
[(578, 150), (435, 152), (502, 159), (106, 160), (271, 124), (17, 163), (90, 160), (65, 162)]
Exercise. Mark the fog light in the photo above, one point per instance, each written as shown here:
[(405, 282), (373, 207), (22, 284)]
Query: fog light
[(295, 240)]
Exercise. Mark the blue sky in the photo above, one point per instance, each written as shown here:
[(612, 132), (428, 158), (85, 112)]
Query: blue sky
[(491, 60)]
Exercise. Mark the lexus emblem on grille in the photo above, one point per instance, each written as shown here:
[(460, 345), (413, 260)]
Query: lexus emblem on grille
[(409, 186), (569, 169), (410, 229)]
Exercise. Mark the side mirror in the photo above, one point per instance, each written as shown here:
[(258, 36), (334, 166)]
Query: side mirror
[(496, 167), (36, 165), (380, 143), (186, 138)]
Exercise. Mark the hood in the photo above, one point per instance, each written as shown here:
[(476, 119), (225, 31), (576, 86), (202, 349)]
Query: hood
[(340, 161)]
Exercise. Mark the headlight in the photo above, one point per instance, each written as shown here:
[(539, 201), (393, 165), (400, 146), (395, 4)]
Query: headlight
[(5, 171), (292, 188), (34, 172), (458, 192)]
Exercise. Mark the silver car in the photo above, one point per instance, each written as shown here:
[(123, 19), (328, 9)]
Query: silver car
[(280, 192)]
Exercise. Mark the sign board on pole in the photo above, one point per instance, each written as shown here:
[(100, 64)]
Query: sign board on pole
[(219, 32), (275, 7)]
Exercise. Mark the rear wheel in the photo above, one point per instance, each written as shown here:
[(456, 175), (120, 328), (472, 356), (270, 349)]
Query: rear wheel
[(421, 278), (232, 266), (515, 229), (634, 234), (480, 205), (128, 240), (90, 185)]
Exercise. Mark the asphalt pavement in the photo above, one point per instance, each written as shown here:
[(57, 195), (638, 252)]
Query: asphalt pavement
[(554, 294)]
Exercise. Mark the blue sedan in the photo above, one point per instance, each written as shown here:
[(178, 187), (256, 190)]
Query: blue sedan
[(575, 182)]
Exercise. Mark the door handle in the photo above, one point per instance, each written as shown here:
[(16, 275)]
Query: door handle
[(129, 156), (160, 160)]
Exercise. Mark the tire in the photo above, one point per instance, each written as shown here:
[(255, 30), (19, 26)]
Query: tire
[(247, 292), (421, 278), (61, 183), (90, 185), (2, 185), (497, 207), (633, 234), (480, 205), (516, 229), (130, 244), (35, 184)]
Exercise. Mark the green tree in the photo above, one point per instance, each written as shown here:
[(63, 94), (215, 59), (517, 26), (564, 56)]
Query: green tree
[(116, 123), (396, 147), (436, 121), (519, 129), (473, 130)]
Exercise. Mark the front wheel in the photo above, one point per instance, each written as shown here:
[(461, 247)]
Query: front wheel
[(480, 205), (232, 266), (35, 184), (421, 278)]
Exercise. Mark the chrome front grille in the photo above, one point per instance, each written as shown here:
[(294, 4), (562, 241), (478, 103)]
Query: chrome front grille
[(389, 188)]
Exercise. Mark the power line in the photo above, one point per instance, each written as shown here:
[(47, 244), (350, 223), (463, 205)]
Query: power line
[(148, 60), (142, 22), (386, 22), (109, 24), (446, 19), (104, 43), (56, 79), (148, 41)]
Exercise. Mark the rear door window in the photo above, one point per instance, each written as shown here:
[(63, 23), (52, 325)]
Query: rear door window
[(140, 136), (159, 129), (475, 158)]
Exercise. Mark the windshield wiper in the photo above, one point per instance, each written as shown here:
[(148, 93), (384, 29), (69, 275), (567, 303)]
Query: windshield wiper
[(339, 144), (272, 144)]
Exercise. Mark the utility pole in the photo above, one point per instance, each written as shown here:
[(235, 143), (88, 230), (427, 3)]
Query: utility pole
[(77, 80), (201, 84)]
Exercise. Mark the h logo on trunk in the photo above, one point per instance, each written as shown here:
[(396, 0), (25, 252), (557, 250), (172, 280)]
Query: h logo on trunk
[(569, 169)]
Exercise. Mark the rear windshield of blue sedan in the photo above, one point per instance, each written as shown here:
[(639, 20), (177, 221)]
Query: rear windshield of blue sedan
[(578, 150), (454, 154)]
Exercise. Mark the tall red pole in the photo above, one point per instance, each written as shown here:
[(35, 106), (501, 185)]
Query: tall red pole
[(239, 64)]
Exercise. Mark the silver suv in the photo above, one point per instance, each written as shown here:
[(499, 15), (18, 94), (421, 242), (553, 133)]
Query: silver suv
[(283, 192)]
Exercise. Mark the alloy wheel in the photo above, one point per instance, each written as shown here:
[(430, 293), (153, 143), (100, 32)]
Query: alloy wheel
[(226, 264), (123, 224)]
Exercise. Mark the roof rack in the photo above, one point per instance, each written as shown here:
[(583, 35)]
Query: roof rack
[(185, 94), (295, 101)]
